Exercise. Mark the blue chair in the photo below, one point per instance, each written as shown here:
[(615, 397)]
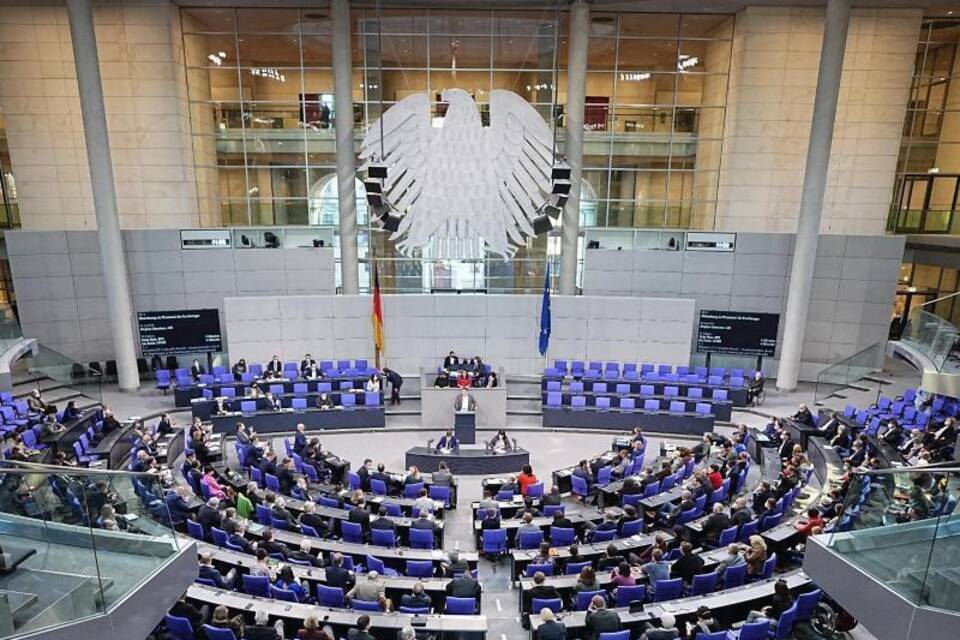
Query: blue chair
[(574, 568), (283, 594), (309, 531), (364, 605), (378, 487), (494, 541), (578, 402), (579, 486), (631, 528), (393, 509), (768, 566), (256, 585), (704, 583), (716, 635), (504, 495), (351, 532), (554, 399), (747, 530), (603, 475), (550, 509), (784, 626), (651, 404), (248, 406), (602, 403), (299, 404), (626, 594), (330, 596), (420, 568), (412, 490), (576, 386), (383, 537), (599, 387), (605, 535), (163, 380), (727, 537), (753, 631), (539, 604), (651, 489), (628, 404), (371, 399), (734, 576), (560, 537), (195, 529), (179, 628), (219, 536), (545, 568), (461, 606), (807, 604), (615, 635), (348, 400), (421, 539), (530, 539), (216, 633), (417, 611), (300, 389), (584, 598), (667, 589)]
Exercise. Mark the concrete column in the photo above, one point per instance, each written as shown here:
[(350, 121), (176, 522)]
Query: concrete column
[(346, 160), (576, 94), (814, 184), (112, 258)]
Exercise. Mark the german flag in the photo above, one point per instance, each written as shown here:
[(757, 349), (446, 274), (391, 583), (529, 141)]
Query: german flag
[(376, 316)]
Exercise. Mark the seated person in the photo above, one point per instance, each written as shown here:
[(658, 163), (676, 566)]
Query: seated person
[(755, 387), (239, 368), (324, 401), (501, 442), (448, 441), (418, 599), (803, 416)]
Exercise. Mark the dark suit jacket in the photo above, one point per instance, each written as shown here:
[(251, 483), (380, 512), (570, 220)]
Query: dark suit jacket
[(361, 516), (314, 520), (209, 517), (464, 588), (240, 541), (552, 630), (299, 442), (413, 600), (384, 523), (211, 573), (602, 621), (686, 567), (258, 632)]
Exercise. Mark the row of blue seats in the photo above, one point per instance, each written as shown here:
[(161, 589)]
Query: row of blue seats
[(580, 368), (555, 401), (347, 401), (290, 371), (623, 389), (299, 389), (634, 376)]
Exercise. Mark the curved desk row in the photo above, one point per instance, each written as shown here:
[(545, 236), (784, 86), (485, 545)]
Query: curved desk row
[(687, 424), (204, 408), (383, 624), (286, 420), (182, 395), (470, 462), (737, 395), (720, 409), (72, 431), (729, 606), (520, 558)]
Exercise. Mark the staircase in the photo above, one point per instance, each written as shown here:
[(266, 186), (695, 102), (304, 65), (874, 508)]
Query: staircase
[(524, 403)]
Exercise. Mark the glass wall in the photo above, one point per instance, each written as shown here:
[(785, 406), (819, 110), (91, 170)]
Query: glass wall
[(928, 169), (9, 212), (261, 96)]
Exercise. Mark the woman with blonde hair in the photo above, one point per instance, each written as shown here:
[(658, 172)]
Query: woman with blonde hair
[(756, 555), (311, 629)]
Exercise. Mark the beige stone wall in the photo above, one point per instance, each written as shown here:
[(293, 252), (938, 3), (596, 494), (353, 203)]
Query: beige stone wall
[(773, 79), (146, 116)]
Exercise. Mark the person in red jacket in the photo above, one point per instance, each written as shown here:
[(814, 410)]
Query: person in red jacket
[(805, 527), (716, 478), (526, 478)]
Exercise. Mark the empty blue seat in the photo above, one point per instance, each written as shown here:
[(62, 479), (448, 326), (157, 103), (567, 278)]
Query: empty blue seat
[(628, 404), (576, 367), (694, 392), (345, 385), (719, 394), (494, 541), (704, 409), (299, 404), (529, 539), (330, 596), (664, 369), (736, 382), (300, 388), (421, 539), (539, 604), (683, 370), (371, 399), (646, 389), (560, 537), (599, 387), (623, 389), (348, 400), (256, 585), (554, 399), (714, 380), (603, 402), (651, 404), (248, 406), (578, 402), (667, 589), (419, 568), (546, 569), (461, 606), (628, 594), (576, 386), (560, 365), (553, 385), (343, 365), (671, 392)]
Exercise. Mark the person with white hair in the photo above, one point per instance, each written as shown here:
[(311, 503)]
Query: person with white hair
[(310, 518), (262, 629), (408, 633), (549, 628), (370, 590), (303, 555), (209, 514), (209, 572), (666, 631)]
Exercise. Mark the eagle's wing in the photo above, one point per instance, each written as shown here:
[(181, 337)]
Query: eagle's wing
[(520, 147), (406, 136)]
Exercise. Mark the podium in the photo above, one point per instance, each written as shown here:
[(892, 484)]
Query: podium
[(465, 426)]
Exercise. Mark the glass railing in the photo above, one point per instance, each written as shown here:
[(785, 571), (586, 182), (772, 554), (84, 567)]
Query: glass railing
[(57, 376), (75, 542), (902, 527), (850, 370), (931, 335), (9, 327)]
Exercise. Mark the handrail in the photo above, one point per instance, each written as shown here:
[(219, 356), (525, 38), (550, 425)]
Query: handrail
[(948, 467), (24, 468), (946, 297)]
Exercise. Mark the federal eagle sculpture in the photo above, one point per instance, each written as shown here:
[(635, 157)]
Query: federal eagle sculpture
[(453, 178)]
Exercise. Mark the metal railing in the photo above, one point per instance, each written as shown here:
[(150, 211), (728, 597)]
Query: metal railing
[(849, 370), (930, 334)]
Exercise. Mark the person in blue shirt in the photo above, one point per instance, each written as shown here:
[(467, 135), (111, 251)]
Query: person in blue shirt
[(178, 505), (657, 569), (208, 572), (448, 441), (237, 539), (286, 580)]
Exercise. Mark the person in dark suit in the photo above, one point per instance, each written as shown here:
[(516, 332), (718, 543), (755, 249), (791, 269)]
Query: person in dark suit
[(688, 564), (178, 505), (364, 472), (561, 521), (448, 441), (306, 363), (553, 497), (715, 523), (451, 362), (358, 512), (337, 576), (200, 448), (786, 446), (303, 554), (396, 381), (270, 545), (382, 475), (466, 586), (803, 416), (286, 476), (362, 632), (763, 493), (549, 628), (165, 426), (262, 630), (196, 370), (269, 464), (382, 522), (183, 609), (239, 368), (600, 619), (209, 572), (209, 514), (540, 590), (300, 439), (425, 523), (418, 599), (238, 540), (312, 519), (275, 367), (944, 436), (279, 511)]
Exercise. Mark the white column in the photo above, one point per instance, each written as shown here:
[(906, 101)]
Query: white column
[(576, 94), (346, 160), (112, 258), (814, 184)]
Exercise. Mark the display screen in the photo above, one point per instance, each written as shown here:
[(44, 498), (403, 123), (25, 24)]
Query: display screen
[(187, 331), (738, 332)]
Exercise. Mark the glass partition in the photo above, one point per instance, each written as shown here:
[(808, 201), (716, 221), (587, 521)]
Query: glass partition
[(933, 336), (58, 376), (9, 327), (76, 542), (902, 527), (849, 370)]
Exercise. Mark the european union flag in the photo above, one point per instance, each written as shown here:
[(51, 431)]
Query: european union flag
[(545, 314)]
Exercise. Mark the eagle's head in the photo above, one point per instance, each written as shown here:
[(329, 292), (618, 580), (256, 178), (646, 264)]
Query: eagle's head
[(455, 97)]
